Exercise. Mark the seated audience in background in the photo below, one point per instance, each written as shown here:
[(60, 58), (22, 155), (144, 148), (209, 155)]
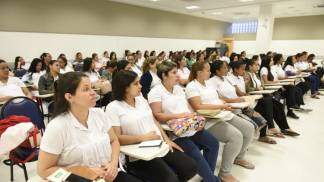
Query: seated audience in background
[(234, 131), (10, 86), (153, 53), (227, 92), (200, 57), (78, 62), (107, 73), (133, 122), (79, 135), (149, 79), (46, 81), (268, 106), (46, 58), (182, 71), (64, 67), (34, 73), (19, 70), (168, 101), (225, 57), (146, 54), (113, 56), (289, 93)]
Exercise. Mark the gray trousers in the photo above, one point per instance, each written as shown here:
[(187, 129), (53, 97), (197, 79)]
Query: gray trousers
[(237, 134)]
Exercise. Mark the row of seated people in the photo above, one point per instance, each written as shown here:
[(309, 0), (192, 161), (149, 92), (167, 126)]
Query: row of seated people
[(134, 119)]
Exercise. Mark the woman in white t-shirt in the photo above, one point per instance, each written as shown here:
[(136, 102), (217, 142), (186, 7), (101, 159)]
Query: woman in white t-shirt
[(168, 101), (10, 86), (133, 122), (183, 71), (79, 135), (34, 73), (235, 132)]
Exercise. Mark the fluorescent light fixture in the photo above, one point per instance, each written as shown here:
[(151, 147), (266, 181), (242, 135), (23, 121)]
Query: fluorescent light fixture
[(154, 0), (192, 7), (244, 1), (217, 13)]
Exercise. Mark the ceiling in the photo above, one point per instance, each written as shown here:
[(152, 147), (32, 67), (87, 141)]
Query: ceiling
[(233, 10)]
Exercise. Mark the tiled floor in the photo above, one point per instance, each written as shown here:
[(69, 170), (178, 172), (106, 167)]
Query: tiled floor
[(291, 160)]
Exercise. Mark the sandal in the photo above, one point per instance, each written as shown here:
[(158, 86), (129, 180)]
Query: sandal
[(244, 164), (277, 135), (267, 140)]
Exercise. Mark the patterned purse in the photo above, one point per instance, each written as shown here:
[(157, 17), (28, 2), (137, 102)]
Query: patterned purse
[(186, 127)]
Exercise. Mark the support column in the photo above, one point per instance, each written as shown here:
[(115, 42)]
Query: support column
[(265, 29)]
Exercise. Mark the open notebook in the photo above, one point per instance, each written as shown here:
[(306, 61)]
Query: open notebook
[(151, 143)]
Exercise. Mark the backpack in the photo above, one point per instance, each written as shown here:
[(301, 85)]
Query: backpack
[(28, 149)]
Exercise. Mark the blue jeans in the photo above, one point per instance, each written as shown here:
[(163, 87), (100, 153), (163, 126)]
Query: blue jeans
[(206, 163), (315, 83)]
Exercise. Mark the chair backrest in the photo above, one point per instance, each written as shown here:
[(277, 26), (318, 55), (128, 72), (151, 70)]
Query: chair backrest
[(24, 106)]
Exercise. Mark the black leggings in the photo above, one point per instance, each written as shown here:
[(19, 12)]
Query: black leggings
[(174, 167), (271, 110), (124, 177)]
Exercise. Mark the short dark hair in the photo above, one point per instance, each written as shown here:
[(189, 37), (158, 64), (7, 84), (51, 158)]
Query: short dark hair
[(121, 65), (87, 64), (111, 64), (64, 60), (216, 65), (67, 83), (2, 61), (164, 68), (120, 82), (237, 64)]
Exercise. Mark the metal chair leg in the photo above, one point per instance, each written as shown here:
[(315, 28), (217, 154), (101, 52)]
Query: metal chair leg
[(11, 171), (25, 172)]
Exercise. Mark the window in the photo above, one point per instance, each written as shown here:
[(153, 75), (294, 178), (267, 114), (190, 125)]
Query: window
[(244, 27)]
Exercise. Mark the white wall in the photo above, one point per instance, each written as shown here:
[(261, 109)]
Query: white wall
[(31, 45), (286, 47)]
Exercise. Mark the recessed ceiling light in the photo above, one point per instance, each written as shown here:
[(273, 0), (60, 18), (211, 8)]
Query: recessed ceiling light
[(192, 7), (154, 0), (217, 13), (244, 1)]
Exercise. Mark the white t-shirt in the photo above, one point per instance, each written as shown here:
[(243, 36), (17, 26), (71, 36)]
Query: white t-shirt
[(264, 71), (137, 70), (104, 61), (277, 69), (140, 62), (302, 65), (207, 94), (136, 120), (223, 87), (155, 80), (172, 103), (255, 80), (225, 58), (34, 78), (184, 73), (291, 69), (93, 76), (12, 87), (77, 145), (237, 81), (66, 69)]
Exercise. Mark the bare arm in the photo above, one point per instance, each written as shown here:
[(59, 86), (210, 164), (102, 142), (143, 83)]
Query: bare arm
[(133, 139), (114, 146), (239, 92), (163, 117), (196, 104)]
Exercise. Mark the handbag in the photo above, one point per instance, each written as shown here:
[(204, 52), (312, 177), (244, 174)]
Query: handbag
[(185, 127)]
